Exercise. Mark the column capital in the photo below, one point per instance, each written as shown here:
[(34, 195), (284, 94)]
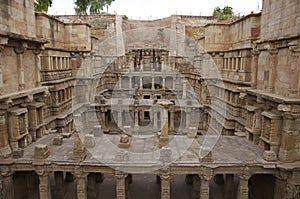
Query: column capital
[(273, 51), (42, 172), (120, 174), (79, 173), (20, 48), (294, 49), (255, 52)]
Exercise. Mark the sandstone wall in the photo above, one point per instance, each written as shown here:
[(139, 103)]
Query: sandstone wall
[(280, 19), (17, 17), (71, 36)]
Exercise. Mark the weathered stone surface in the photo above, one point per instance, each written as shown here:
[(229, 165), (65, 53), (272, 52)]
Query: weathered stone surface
[(89, 141), (58, 140), (41, 151)]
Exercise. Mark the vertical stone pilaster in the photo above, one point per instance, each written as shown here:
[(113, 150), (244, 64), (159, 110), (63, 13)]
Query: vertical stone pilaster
[(44, 186), (152, 84), (141, 83), (273, 63), (130, 82), (8, 184), (172, 118), (163, 82), (204, 187), (81, 185), (19, 50), (280, 185), (121, 185), (254, 66), (295, 72), (136, 119), (243, 188), (38, 67), (154, 119), (165, 186)]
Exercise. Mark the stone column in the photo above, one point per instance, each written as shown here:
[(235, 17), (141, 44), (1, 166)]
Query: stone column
[(163, 82), (243, 188), (273, 63), (229, 193), (141, 82), (59, 185), (295, 72), (187, 118), (8, 184), (5, 149), (204, 187), (120, 117), (136, 119), (81, 185), (184, 89), (152, 84), (172, 118), (91, 184), (1, 69), (44, 186), (154, 119), (19, 50), (38, 68), (165, 186), (120, 185), (280, 185), (130, 82)]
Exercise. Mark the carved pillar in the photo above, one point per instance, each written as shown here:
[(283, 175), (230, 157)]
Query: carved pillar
[(172, 118), (19, 50), (5, 149), (91, 193), (81, 185), (119, 117), (187, 118), (59, 185), (243, 188), (1, 66), (44, 186), (130, 82), (184, 89), (163, 82), (136, 119), (273, 63), (295, 72), (8, 184), (165, 186), (254, 64), (120, 185), (152, 84), (141, 82), (204, 187), (154, 119), (38, 68), (280, 185)]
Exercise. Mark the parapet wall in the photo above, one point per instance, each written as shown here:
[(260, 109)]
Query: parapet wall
[(70, 36), (280, 19), (17, 17)]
